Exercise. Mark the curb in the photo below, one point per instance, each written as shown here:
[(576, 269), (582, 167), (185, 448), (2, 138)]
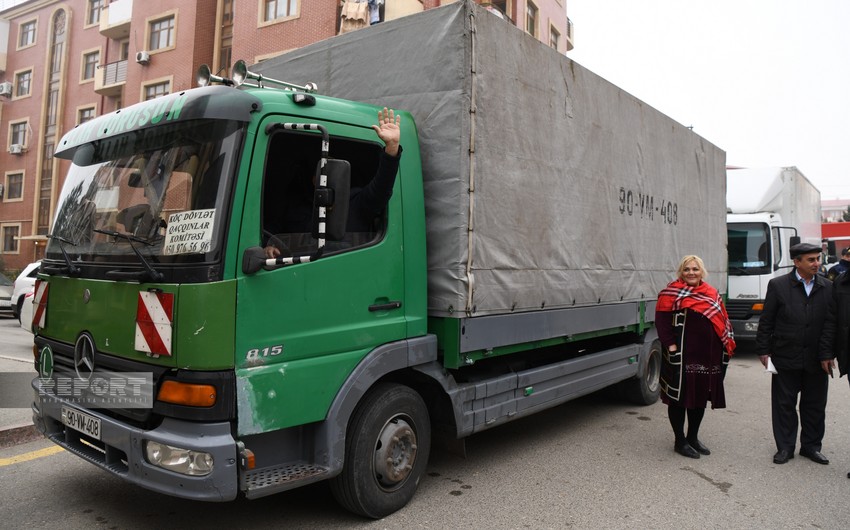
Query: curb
[(18, 434)]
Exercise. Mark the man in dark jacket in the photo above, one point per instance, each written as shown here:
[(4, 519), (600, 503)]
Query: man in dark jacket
[(842, 265), (789, 336), (835, 340)]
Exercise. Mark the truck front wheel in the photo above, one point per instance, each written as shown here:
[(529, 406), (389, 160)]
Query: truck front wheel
[(386, 451)]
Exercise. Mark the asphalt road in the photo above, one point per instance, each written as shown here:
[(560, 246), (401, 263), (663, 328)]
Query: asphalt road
[(15, 358), (593, 463)]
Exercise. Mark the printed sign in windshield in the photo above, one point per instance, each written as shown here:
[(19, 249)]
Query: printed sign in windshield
[(189, 232)]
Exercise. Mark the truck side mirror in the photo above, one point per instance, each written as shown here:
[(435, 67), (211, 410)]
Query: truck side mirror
[(334, 197), (795, 240), (83, 155), (253, 260)]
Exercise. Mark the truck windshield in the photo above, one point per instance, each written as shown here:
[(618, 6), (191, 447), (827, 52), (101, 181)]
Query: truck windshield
[(749, 249), (164, 190)]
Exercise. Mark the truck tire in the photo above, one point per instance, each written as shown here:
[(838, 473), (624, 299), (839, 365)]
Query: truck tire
[(386, 452), (646, 387)]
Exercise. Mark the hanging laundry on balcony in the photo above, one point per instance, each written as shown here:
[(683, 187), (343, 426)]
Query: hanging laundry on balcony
[(354, 15), (375, 11)]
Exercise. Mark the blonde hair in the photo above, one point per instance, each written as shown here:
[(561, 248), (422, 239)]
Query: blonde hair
[(691, 257)]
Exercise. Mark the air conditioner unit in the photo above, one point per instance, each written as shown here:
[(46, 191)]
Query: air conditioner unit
[(16, 149), (6, 89), (143, 58)]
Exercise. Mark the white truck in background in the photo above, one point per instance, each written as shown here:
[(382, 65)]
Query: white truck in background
[(768, 210)]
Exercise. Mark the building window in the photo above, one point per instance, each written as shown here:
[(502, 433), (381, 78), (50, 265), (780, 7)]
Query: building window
[(10, 239), (14, 187), (18, 133), (22, 83), (27, 34), (554, 38), (84, 115), (52, 107), (162, 33), (156, 90), (226, 40), (275, 9), (531, 19), (95, 8), (90, 61), (124, 50)]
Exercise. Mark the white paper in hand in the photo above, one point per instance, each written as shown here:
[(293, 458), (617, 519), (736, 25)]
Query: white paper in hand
[(770, 368)]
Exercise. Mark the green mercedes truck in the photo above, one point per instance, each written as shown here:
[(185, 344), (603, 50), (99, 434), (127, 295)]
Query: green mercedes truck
[(536, 212)]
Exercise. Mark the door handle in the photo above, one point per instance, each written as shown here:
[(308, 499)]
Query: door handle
[(395, 304)]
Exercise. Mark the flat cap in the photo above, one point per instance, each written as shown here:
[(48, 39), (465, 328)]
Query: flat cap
[(803, 248)]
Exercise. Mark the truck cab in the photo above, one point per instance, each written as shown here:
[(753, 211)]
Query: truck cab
[(768, 211), (758, 246), (148, 273)]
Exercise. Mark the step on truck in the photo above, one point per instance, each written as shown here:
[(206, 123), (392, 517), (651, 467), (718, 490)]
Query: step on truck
[(536, 212)]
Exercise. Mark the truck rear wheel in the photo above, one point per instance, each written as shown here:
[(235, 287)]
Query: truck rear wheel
[(646, 387), (386, 452)]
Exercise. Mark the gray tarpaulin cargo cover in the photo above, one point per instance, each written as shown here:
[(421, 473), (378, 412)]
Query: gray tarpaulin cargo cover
[(545, 185)]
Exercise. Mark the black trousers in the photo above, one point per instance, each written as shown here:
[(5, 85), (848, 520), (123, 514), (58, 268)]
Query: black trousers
[(812, 388)]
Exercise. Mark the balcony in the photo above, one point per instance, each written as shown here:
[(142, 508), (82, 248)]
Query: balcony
[(570, 35), (110, 79), (115, 19)]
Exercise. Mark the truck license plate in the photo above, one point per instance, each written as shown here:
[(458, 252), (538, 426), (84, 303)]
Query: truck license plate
[(80, 421)]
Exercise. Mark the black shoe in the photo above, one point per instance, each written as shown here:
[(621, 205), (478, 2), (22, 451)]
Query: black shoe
[(686, 450), (782, 456), (814, 456), (698, 445)]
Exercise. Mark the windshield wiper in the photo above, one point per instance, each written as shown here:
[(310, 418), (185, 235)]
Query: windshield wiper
[(69, 268), (148, 274)]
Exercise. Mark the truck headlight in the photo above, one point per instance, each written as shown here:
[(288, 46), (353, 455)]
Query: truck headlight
[(183, 461)]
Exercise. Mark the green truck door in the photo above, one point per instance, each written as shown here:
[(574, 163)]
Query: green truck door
[(301, 329)]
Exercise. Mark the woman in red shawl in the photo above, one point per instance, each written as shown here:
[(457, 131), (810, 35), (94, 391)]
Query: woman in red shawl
[(697, 341)]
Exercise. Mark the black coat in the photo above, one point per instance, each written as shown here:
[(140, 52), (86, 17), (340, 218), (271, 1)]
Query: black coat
[(835, 340), (791, 324)]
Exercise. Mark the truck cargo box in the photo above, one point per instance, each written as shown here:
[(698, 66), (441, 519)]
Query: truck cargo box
[(781, 190), (546, 186)]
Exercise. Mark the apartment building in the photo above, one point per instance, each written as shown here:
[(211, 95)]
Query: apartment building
[(63, 63)]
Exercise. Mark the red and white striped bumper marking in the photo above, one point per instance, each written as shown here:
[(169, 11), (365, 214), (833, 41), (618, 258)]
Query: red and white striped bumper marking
[(39, 314), (153, 322)]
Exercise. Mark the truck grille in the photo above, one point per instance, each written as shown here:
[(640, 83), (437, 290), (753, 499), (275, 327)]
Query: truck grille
[(63, 358), (740, 309)]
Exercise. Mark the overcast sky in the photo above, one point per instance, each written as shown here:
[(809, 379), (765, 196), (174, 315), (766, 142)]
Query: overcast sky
[(768, 81), (5, 4)]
